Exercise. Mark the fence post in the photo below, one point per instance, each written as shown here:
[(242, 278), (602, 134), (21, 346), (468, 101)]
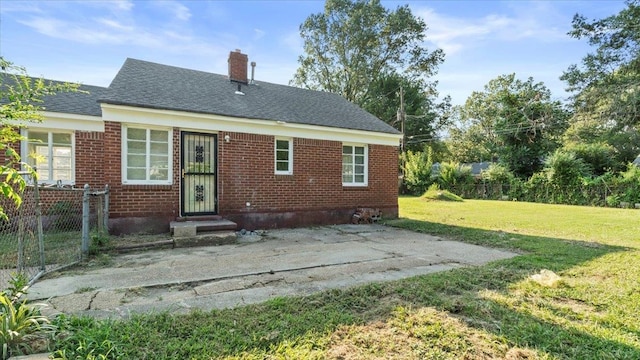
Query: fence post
[(36, 196), (20, 244), (105, 213), (85, 220)]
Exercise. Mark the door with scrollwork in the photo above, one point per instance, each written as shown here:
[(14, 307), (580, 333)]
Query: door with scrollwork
[(198, 174)]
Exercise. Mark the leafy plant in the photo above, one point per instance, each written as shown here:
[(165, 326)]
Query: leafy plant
[(416, 168), (19, 321), (18, 284), (455, 178), (99, 242)]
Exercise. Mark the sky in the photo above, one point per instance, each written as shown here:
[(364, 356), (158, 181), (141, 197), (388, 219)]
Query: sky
[(88, 41)]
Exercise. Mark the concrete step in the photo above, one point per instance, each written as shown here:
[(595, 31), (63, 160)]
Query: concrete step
[(206, 239), (199, 218), (181, 229)]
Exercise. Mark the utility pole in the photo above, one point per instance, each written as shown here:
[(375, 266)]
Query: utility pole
[(401, 117)]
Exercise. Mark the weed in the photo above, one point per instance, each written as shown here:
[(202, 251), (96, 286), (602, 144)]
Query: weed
[(19, 321), (84, 289)]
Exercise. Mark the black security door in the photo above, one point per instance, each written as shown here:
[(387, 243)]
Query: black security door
[(199, 192)]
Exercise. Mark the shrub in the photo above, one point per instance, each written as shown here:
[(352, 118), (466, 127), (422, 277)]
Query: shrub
[(498, 173), (629, 185), (416, 168), (565, 173), (456, 178), (598, 156)]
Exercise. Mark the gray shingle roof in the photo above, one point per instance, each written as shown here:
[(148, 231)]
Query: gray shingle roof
[(151, 85), (68, 102), (76, 103)]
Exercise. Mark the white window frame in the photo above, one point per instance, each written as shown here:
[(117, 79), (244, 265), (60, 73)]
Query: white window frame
[(147, 181), (24, 150), (289, 170), (354, 183)]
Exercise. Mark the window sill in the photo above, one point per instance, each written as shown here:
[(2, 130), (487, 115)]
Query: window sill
[(355, 187), (159, 187)]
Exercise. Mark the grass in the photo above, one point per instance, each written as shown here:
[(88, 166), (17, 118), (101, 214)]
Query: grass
[(491, 311), (61, 247)]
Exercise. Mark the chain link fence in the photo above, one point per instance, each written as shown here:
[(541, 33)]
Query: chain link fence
[(50, 230), (590, 195)]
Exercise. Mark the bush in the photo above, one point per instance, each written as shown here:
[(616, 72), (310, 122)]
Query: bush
[(565, 173), (629, 185), (600, 158), (457, 179), (416, 167)]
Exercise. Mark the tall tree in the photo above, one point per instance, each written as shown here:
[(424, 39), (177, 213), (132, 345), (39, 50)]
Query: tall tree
[(20, 103), (425, 117), (607, 84), (365, 52), (517, 121)]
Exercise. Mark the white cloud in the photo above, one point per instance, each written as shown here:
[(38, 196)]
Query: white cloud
[(113, 6), (19, 7), (454, 34), (293, 42), (116, 25), (259, 34), (178, 10)]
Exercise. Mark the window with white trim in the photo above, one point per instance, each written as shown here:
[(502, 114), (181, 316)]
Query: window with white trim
[(52, 154), (283, 156), (354, 165), (146, 155)]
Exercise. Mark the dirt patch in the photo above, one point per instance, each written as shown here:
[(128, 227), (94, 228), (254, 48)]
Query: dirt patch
[(136, 239)]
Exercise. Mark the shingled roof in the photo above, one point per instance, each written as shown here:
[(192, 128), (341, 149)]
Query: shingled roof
[(84, 102), (76, 102), (151, 85)]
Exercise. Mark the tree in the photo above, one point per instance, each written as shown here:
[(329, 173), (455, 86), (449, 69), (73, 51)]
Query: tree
[(365, 52), (607, 84), (20, 99), (425, 115), (515, 121), (467, 141)]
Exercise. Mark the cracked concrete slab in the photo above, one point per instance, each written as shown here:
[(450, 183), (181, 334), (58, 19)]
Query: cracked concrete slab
[(256, 268)]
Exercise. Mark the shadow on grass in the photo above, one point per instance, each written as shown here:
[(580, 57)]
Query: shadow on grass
[(471, 294)]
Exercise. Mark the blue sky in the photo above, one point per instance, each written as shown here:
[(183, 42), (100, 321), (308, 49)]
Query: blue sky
[(88, 41)]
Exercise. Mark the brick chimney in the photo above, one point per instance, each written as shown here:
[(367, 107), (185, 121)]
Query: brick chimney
[(238, 66)]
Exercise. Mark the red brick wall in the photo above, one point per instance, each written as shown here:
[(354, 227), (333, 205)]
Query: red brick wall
[(313, 194), (138, 208), (89, 158)]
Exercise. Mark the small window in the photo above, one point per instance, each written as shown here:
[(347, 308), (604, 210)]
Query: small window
[(284, 157), (52, 154), (354, 165), (146, 156)]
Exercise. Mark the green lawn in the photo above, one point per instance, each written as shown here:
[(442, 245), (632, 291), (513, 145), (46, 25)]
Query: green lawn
[(492, 311)]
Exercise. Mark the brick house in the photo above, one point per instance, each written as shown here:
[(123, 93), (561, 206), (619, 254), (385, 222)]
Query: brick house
[(175, 143)]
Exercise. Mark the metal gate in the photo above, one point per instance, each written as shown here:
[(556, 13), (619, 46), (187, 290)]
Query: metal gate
[(199, 181)]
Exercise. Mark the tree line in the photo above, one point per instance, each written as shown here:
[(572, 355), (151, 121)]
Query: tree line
[(367, 53)]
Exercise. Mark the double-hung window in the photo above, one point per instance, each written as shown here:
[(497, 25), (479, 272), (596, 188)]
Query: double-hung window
[(52, 154), (283, 156), (146, 155), (354, 165)]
